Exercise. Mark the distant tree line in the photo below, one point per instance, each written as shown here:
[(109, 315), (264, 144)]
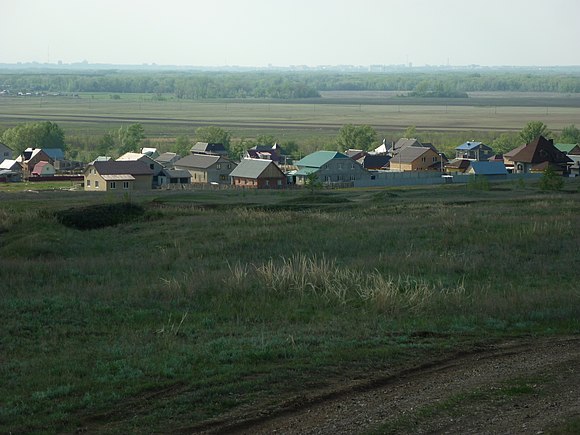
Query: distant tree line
[(290, 85)]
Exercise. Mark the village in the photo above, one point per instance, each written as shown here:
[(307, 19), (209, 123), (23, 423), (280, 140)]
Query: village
[(407, 161)]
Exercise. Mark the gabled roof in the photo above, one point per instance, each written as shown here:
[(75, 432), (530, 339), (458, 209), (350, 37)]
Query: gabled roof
[(167, 157), (374, 161), (176, 173), (199, 161), (29, 153), (410, 142), (132, 157), (10, 164), (410, 154), (355, 154), (568, 148), (117, 167), (539, 150), (468, 146), (40, 166), (253, 168), (320, 158), (462, 164), (209, 148), (54, 153), (488, 168)]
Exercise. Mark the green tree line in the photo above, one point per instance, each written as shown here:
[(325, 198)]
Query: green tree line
[(288, 85)]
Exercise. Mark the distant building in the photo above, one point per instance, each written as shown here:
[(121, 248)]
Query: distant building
[(536, 156), (206, 168), (477, 151), (330, 167), (167, 160), (209, 148), (258, 174), (156, 167), (115, 176), (414, 158), (5, 152), (43, 169)]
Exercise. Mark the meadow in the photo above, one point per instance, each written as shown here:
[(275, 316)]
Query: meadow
[(216, 303)]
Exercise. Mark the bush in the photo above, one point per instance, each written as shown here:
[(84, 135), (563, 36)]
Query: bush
[(99, 216), (551, 180)]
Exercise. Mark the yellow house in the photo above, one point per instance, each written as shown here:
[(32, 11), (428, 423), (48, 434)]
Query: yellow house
[(111, 176), (416, 159)]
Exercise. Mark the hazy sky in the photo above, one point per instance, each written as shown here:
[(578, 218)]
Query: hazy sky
[(291, 32)]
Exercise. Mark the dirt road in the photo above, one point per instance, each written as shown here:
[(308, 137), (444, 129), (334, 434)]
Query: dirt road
[(528, 386)]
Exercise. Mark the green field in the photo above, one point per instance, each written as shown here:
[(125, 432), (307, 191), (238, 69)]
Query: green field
[(93, 114), (232, 302)]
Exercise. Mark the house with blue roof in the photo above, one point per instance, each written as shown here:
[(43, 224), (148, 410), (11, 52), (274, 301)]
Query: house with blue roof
[(473, 151), (330, 167), (488, 169)]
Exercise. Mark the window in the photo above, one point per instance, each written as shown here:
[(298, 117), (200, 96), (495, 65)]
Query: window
[(267, 183), (352, 177), (218, 166), (434, 159), (125, 184), (340, 166), (352, 166), (423, 159), (96, 184), (222, 177), (113, 185), (229, 166), (88, 183), (151, 166), (279, 182)]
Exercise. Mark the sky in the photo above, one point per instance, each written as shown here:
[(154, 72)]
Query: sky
[(291, 32)]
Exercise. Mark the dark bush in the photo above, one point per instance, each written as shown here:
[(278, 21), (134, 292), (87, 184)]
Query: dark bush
[(99, 216)]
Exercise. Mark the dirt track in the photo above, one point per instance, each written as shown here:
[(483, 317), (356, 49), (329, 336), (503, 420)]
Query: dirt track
[(526, 386)]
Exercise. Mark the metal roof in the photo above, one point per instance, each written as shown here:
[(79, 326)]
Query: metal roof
[(118, 177), (201, 161), (116, 167), (488, 168), (468, 146), (252, 168), (319, 158)]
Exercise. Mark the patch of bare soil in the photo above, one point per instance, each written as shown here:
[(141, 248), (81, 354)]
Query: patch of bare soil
[(528, 386)]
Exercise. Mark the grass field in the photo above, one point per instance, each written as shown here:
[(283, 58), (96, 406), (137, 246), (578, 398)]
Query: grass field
[(217, 302), (91, 114)]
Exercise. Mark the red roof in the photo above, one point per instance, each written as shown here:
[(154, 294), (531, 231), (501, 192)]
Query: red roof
[(38, 168)]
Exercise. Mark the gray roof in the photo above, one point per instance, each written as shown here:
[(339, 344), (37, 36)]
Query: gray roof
[(198, 161), (116, 167), (211, 148), (176, 173), (167, 157), (252, 168), (468, 146), (409, 154)]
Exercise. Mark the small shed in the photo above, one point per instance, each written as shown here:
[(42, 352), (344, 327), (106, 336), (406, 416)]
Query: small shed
[(43, 169)]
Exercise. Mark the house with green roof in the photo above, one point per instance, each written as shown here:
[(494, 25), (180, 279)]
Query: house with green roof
[(568, 148), (330, 167)]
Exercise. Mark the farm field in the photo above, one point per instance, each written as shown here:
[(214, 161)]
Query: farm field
[(94, 114), (225, 310)]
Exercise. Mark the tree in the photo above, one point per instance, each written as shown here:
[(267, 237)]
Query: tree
[(570, 134), (312, 183), (356, 136), (34, 134), (551, 180), (533, 130), (182, 145), (410, 132), (505, 142), (106, 144), (213, 134), (130, 138)]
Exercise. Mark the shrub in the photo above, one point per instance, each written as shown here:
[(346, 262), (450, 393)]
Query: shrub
[(550, 180), (99, 216)]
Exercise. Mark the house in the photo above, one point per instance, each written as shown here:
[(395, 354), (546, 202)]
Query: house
[(54, 154), (330, 167), (487, 169), (209, 148), (473, 151), (30, 157), (404, 142), (375, 161), (535, 156), (570, 149), (174, 176), (258, 174), (458, 166), (206, 168), (5, 152), (43, 169), (167, 160), (10, 171), (383, 148), (266, 152), (414, 158), (115, 175), (355, 154), (150, 152), (156, 167)]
